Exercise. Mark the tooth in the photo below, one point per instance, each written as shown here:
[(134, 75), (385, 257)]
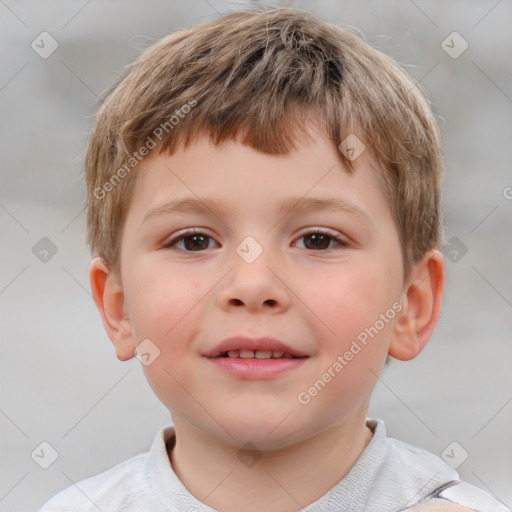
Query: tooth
[(277, 355), (246, 354), (288, 356), (234, 353), (263, 354)]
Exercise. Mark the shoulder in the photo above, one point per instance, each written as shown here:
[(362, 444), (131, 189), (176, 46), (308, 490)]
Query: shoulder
[(472, 497), (413, 469), (459, 497), (440, 506), (110, 487), (131, 486), (427, 476)]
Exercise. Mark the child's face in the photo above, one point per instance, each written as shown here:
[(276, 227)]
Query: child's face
[(305, 289)]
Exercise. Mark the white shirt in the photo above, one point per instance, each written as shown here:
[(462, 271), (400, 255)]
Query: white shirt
[(389, 476)]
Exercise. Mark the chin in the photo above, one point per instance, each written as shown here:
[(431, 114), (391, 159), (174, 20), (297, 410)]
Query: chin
[(266, 433)]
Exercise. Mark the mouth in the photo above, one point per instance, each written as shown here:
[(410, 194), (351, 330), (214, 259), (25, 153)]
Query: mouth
[(258, 354), (255, 358), (243, 347)]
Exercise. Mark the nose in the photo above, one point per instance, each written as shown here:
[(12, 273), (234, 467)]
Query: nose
[(255, 286)]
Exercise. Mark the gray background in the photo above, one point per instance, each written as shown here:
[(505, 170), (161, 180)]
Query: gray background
[(60, 380)]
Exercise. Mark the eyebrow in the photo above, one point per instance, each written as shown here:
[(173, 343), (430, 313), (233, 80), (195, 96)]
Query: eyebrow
[(190, 204), (283, 207), (314, 204)]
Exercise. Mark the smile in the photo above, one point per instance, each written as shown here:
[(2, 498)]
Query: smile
[(258, 354), (257, 365)]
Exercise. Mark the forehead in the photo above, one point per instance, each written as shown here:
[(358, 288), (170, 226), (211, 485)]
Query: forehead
[(235, 188), (231, 181), (312, 166)]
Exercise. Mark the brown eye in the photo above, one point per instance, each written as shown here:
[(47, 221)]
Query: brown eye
[(317, 241), (320, 241), (196, 242), (191, 242)]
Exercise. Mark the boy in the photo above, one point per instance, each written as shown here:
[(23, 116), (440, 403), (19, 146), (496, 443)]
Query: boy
[(263, 208)]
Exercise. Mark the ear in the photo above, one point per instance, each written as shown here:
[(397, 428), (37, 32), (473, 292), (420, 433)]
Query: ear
[(421, 306), (108, 295)]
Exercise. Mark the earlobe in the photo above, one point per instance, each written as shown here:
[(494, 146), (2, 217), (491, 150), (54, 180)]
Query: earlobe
[(108, 295), (421, 306)]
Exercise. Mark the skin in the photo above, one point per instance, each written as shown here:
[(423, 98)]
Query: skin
[(439, 506), (316, 300)]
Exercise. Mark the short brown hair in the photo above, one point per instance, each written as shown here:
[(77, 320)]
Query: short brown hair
[(260, 76)]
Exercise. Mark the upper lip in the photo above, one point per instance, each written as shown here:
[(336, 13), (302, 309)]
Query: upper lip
[(246, 343)]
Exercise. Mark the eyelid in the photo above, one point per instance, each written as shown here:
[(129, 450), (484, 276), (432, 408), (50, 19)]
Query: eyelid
[(318, 229), (179, 235), (336, 236), (339, 238)]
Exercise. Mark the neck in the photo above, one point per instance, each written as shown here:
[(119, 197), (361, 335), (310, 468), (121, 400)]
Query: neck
[(284, 480)]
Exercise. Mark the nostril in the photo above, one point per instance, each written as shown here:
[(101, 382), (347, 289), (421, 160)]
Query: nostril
[(268, 302)]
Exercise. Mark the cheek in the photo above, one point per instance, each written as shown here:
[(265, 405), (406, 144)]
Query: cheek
[(158, 300), (356, 305), (163, 307), (166, 307)]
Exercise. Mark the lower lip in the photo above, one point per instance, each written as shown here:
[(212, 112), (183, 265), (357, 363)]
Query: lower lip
[(254, 369)]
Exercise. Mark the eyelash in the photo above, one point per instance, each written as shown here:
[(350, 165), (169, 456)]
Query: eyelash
[(333, 238)]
